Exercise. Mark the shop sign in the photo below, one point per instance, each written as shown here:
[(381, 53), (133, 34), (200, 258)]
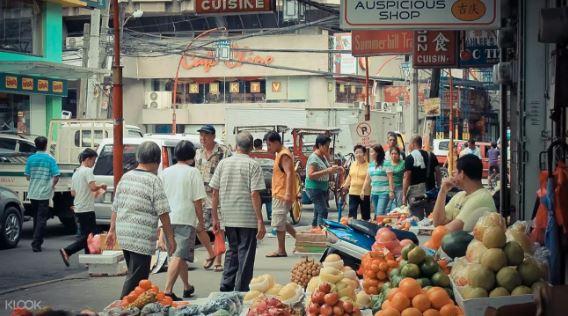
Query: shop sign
[(435, 49), (239, 58), (419, 14), (224, 7), (276, 86), (375, 43), (234, 87), (34, 85), (255, 87), (214, 88), (95, 4), (193, 88), (478, 49), (343, 64), (432, 107)]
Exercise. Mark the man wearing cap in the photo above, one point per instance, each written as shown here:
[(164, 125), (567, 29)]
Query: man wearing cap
[(206, 160)]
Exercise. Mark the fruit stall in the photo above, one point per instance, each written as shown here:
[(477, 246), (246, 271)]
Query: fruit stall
[(450, 274)]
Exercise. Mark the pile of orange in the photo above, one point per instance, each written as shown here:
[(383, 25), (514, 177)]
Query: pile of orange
[(409, 299), (375, 268), (146, 285), (435, 241)]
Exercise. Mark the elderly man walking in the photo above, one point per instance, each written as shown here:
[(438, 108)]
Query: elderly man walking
[(236, 185)]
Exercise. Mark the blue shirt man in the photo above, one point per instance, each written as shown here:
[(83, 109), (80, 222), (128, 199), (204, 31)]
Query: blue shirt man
[(43, 173)]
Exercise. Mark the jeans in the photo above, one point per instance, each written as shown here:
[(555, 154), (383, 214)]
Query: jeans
[(268, 206), (397, 201), (239, 259), (40, 211), (319, 197), (88, 224), (138, 270), (355, 201), (380, 202)]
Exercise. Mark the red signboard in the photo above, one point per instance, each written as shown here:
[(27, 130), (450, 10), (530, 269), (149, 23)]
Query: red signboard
[(435, 49), (373, 43), (234, 6)]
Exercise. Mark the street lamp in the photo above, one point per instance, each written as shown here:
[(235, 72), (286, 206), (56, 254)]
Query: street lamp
[(136, 14), (174, 124)]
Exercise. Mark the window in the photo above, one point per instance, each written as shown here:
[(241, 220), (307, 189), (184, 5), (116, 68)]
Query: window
[(103, 166), (7, 145), (14, 113), (133, 133), (349, 92), (87, 141), (20, 26), (26, 148)]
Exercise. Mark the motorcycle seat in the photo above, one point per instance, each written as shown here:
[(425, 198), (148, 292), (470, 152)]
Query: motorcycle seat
[(364, 227)]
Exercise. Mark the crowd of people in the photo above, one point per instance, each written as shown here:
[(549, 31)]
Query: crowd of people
[(213, 189)]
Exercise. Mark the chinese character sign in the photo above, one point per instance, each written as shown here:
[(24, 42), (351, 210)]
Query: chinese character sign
[(435, 49)]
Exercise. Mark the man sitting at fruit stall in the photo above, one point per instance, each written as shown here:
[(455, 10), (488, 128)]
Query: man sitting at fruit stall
[(467, 206)]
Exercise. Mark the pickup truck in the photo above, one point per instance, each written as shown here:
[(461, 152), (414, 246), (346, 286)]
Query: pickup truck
[(66, 139)]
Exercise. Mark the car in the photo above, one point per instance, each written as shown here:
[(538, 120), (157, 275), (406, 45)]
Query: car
[(441, 147), (11, 218), (16, 143)]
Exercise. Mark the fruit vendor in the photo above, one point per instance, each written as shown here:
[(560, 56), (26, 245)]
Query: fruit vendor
[(467, 206)]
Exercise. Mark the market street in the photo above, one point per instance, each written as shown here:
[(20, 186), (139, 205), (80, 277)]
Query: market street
[(71, 288)]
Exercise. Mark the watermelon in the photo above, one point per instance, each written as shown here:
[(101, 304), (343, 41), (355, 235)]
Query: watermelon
[(455, 244)]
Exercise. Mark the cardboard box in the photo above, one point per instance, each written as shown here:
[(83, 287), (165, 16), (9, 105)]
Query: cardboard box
[(307, 242), (478, 306)]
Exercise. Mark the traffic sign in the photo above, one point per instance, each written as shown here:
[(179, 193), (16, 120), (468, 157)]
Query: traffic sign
[(364, 129), (223, 50)]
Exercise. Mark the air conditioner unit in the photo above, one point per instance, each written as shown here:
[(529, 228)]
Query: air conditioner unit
[(73, 42), (158, 100)]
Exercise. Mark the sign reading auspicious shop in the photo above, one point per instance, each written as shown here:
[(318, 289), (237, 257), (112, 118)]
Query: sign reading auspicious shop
[(435, 49), (419, 14), (13, 83), (223, 7), (373, 43)]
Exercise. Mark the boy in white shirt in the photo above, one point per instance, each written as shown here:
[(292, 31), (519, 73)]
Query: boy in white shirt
[(184, 188), (83, 189)]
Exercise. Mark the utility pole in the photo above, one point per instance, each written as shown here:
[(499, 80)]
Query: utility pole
[(93, 61), (82, 108), (411, 117), (117, 148)]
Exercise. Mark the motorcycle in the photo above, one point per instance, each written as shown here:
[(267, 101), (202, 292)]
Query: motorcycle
[(351, 242)]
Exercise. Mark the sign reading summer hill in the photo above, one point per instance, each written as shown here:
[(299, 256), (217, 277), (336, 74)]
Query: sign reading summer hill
[(419, 14)]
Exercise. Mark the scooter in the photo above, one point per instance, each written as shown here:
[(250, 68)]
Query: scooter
[(351, 242)]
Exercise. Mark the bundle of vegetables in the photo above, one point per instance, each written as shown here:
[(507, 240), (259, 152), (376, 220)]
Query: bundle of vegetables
[(146, 293), (269, 307), (410, 299), (326, 302), (225, 304), (386, 238), (375, 268)]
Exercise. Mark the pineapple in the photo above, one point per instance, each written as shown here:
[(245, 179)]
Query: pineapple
[(142, 300)]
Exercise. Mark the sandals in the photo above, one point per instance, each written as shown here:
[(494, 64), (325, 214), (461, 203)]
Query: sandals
[(277, 255), (218, 268), (64, 256), (208, 263)]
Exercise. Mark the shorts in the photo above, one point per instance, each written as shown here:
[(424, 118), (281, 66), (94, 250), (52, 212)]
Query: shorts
[(184, 235), (493, 169), (280, 211)]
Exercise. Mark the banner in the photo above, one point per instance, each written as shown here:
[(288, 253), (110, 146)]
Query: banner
[(374, 43), (12, 83), (224, 7)]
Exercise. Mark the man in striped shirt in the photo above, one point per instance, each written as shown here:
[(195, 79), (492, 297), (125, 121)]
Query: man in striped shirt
[(236, 185), (43, 174)]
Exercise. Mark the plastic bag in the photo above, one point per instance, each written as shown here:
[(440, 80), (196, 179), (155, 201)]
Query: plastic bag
[(94, 243), (474, 251), (489, 220), (518, 232), (219, 245), (459, 272)]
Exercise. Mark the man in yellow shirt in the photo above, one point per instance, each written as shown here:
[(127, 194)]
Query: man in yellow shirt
[(466, 207)]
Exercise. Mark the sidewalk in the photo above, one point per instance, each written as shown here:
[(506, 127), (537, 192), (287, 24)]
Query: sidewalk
[(80, 291)]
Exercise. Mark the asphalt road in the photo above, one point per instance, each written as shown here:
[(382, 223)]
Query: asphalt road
[(21, 266)]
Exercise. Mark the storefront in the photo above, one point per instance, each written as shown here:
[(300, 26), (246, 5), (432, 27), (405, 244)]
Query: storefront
[(33, 81)]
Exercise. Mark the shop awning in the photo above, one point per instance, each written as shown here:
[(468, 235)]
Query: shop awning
[(49, 70)]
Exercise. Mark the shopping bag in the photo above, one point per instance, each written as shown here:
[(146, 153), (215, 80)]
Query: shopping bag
[(219, 245), (94, 243)]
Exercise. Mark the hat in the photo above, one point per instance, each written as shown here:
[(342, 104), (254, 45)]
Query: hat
[(208, 129)]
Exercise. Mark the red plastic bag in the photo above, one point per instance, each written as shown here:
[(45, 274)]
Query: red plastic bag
[(94, 243), (219, 247)]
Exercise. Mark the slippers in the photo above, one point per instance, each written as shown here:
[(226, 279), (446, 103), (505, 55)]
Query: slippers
[(218, 268), (276, 255), (208, 263), (64, 256)]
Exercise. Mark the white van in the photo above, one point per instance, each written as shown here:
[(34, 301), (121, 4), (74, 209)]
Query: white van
[(103, 169)]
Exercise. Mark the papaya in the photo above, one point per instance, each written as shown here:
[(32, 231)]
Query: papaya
[(455, 244)]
